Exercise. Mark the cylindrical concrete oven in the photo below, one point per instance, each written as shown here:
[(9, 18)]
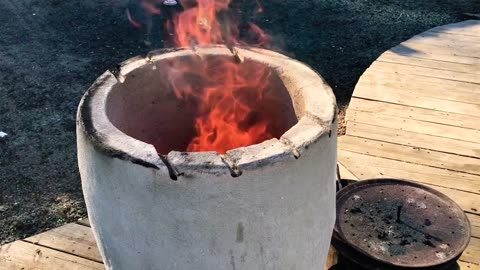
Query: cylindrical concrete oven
[(266, 206)]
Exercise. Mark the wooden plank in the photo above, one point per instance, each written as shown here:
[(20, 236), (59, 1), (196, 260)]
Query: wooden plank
[(345, 173), (409, 112), (418, 89), (416, 100), (332, 258), (421, 173), (475, 222), (369, 167), (423, 71), (440, 42), (27, 256), (444, 36), (457, 44), (420, 83), (412, 125), (464, 50), (423, 86), (71, 238), (84, 222), (434, 53), (403, 137), (398, 97), (468, 266), (391, 57), (445, 40), (470, 167), (472, 253), (470, 27)]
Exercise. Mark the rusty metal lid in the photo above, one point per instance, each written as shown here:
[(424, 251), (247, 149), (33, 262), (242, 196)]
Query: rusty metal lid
[(399, 223)]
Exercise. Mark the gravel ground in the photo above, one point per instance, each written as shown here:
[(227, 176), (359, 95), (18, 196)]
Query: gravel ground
[(52, 50)]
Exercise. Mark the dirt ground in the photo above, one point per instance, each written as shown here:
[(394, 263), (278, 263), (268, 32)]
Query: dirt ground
[(52, 50)]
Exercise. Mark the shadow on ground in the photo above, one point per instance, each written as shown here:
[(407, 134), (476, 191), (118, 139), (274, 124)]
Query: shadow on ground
[(52, 50)]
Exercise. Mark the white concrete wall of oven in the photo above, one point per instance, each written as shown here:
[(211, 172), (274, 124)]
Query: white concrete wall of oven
[(278, 214), (277, 217)]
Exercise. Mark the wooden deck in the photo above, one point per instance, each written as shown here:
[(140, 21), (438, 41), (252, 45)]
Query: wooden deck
[(415, 114)]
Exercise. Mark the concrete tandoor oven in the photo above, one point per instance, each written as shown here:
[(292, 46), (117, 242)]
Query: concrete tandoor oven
[(265, 206)]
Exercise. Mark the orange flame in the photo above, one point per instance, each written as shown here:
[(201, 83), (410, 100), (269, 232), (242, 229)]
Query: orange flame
[(231, 99), (198, 25), (230, 103)]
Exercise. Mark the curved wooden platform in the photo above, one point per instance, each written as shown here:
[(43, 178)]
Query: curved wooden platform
[(415, 114)]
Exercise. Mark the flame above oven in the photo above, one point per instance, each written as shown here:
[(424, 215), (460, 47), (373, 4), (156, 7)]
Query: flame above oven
[(229, 104), (228, 115), (231, 97)]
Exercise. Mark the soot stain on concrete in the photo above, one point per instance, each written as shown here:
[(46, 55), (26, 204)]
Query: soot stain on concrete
[(240, 232)]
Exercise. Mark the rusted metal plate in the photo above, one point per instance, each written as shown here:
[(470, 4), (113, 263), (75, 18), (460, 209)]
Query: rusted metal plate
[(399, 224)]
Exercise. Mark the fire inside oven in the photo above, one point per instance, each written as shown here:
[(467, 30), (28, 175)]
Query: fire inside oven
[(202, 103)]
